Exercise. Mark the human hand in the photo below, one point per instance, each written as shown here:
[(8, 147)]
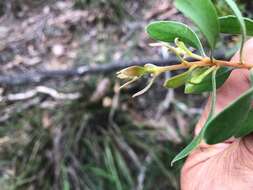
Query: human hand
[(227, 165)]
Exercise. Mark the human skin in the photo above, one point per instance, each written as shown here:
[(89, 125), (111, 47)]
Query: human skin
[(227, 165)]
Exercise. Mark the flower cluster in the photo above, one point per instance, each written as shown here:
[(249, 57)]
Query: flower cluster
[(133, 73)]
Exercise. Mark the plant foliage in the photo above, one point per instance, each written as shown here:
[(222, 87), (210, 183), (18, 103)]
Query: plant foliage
[(204, 74)]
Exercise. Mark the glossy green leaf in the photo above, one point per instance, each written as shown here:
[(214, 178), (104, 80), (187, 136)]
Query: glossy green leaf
[(230, 25), (225, 124), (240, 19), (167, 31), (195, 142), (177, 81), (196, 73), (246, 126), (204, 15), (251, 76), (206, 84), (189, 148), (198, 79), (213, 95)]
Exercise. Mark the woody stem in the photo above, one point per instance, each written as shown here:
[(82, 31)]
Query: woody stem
[(203, 63)]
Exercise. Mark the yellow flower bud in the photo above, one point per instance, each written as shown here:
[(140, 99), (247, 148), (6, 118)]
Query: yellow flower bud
[(131, 72)]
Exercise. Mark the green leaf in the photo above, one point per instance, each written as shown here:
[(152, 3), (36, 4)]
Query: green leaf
[(196, 73), (213, 95), (240, 19), (230, 25), (206, 84), (101, 173), (123, 167), (111, 167), (189, 148), (198, 79), (204, 15), (225, 124), (251, 76), (195, 142), (66, 184), (177, 81), (167, 31), (246, 126)]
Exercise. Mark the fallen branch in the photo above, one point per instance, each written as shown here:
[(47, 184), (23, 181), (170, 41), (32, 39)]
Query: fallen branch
[(35, 77)]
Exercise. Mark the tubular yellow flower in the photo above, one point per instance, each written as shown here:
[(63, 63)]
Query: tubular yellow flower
[(146, 88), (131, 72), (129, 82)]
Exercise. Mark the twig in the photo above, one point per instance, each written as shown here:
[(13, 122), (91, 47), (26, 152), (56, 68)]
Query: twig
[(40, 89)]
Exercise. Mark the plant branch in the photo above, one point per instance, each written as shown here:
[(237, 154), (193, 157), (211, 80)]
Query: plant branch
[(204, 63)]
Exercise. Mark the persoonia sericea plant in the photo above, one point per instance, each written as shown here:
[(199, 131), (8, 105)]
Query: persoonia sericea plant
[(205, 73)]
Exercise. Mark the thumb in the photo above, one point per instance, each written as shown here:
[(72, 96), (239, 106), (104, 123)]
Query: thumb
[(227, 165), (237, 83)]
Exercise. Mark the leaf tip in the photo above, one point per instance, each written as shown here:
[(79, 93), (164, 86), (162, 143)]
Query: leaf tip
[(172, 162)]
